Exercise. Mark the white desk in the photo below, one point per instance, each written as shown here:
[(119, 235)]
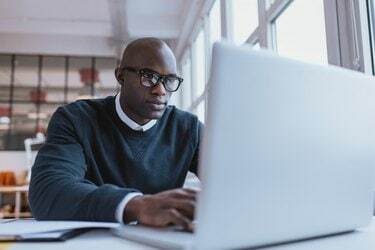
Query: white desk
[(363, 239)]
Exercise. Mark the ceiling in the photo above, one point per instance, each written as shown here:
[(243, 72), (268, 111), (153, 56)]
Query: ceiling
[(86, 27)]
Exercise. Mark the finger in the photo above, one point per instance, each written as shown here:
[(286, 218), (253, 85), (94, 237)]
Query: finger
[(183, 194), (191, 190), (179, 219), (187, 207)]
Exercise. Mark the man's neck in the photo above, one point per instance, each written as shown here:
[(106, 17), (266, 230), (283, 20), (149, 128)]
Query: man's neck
[(139, 120), (134, 117)]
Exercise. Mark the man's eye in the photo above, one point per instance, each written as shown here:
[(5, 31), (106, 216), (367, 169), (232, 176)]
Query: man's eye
[(154, 78), (148, 75)]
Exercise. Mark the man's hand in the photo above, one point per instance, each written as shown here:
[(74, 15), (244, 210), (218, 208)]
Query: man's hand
[(173, 207)]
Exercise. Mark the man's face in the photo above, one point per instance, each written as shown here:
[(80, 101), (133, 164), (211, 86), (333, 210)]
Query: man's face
[(145, 102)]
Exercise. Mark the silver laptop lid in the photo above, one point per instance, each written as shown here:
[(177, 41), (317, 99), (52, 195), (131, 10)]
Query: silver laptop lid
[(288, 150)]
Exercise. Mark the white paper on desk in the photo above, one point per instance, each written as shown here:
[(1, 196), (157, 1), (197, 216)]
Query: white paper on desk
[(26, 226)]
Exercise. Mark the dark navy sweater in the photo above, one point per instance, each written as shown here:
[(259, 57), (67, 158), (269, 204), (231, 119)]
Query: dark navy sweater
[(91, 160)]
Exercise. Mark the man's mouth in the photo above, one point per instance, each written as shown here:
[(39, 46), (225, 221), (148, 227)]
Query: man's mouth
[(156, 105)]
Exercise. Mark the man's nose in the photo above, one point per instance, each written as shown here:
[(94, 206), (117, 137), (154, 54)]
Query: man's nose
[(159, 89)]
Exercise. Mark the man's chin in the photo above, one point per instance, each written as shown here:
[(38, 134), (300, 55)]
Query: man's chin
[(155, 114)]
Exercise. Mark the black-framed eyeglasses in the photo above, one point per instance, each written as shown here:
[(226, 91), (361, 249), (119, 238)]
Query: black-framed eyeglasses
[(150, 79)]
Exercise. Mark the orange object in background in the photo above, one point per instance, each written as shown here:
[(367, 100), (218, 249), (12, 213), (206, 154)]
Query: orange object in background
[(7, 178), (38, 96), (5, 111), (40, 129), (89, 76)]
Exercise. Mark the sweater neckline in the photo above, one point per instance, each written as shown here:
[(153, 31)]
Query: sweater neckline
[(124, 127)]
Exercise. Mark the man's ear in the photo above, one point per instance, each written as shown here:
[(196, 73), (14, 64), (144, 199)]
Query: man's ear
[(119, 76)]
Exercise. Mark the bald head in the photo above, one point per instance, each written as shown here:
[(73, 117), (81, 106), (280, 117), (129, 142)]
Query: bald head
[(149, 53), (139, 101)]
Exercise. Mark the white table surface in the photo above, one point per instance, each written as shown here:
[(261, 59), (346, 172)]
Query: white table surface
[(361, 239)]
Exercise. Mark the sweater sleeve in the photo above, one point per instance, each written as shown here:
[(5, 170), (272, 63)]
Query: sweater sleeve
[(195, 161), (58, 188)]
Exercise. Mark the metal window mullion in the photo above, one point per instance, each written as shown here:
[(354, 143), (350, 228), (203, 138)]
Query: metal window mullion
[(92, 89), (208, 56), (66, 79), (371, 16), (184, 61), (180, 90), (254, 37), (193, 88), (332, 32), (39, 90), (365, 46), (263, 26), (349, 35), (275, 9), (11, 99), (12, 81), (207, 47), (268, 19), (226, 20)]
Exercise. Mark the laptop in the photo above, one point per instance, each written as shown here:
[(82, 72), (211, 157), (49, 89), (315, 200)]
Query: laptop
[(288, 154)]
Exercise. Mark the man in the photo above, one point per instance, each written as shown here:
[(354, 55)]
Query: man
[(114, 159)]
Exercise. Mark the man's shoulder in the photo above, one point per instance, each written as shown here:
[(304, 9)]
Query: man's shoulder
[(179, 114), (87, 105), (182, 119), (81, 109)]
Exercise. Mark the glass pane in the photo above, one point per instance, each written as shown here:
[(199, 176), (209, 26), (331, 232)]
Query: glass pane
[(4, 138), (186, 84), (215, 27), (201, 111), (372, 33), (245, 19), (107, 81), (46, 111), (5, 73), (53, 78), (26, 71), (23, 125), (269, 3), (175, 99), (256, 46), (215, 22), (53, 72), (4, 125), (300, 31), (26, 77), (199, 64), (79, 87)]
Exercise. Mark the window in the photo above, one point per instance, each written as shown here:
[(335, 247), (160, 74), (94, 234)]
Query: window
[(214, 19), (200, 111), (245, 19), (270, 2), (107, 83), (186, 84), (41, 85), (215, 23), (199, 60), (371, 10), (300, 31), (80, 83), (53, 78), (256, 46), (5, 73), (26, 77)]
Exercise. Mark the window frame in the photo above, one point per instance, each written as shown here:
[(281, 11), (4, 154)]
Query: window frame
[(346, 24)]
